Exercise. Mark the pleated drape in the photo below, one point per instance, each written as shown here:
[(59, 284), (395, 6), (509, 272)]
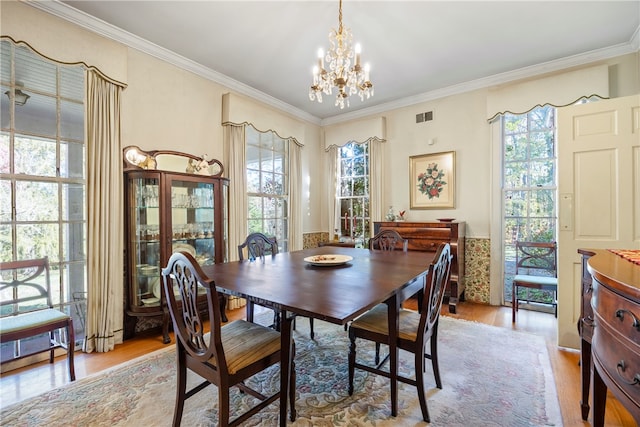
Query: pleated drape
[(376, 184), (295, 196), (332, 185), (104, 215)]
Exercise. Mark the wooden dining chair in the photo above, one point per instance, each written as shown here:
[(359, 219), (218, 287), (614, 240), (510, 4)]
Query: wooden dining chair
[(388, 240), (536, 268), (225, 356), (257, 246), (415, 329)]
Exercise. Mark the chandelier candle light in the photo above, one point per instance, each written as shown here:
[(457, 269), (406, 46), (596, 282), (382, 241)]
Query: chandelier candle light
[(347, 78)]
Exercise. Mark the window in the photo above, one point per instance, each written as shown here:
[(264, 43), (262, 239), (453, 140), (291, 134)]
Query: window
[(353, 191), (268, 185), (529, 185), (42, 170)]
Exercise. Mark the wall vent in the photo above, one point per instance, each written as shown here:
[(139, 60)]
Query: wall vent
[(424, 117)]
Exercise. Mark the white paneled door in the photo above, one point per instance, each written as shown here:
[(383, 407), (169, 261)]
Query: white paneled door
[(598, 192)]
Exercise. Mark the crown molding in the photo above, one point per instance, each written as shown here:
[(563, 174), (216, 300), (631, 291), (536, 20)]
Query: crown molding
[(100, 27), (495, 80), (112, 32)]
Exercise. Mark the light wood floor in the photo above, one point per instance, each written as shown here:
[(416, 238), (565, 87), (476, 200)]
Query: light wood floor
[(26, 382)]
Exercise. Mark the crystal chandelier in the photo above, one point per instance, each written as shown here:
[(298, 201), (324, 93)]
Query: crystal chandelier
[(347, 78)]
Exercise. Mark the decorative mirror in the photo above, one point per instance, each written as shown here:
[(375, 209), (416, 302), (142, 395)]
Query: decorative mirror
[(171, 161)]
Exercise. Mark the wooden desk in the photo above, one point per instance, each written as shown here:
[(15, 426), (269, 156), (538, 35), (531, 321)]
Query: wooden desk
[(615, 346), (334, 294)]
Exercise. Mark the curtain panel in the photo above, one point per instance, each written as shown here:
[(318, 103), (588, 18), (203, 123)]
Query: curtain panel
[(105, 217)]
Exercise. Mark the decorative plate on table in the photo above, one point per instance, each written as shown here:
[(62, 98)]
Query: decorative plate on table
[(328, 260), (446, 219), (184, 247)]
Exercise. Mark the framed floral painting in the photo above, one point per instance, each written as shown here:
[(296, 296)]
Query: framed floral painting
[(432, 180)]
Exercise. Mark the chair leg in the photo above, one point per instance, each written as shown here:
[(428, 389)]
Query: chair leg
[(71, 344), (181, 375), (223, 407), (377, 358), (419, 369), (514, 302), (52, 342), (223, 307), (292, 384), (434, 357), (312, 334), (352, 359), (249, 311)]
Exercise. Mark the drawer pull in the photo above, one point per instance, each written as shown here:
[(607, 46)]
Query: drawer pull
[(588, 321), (620, 314), (621, 368)]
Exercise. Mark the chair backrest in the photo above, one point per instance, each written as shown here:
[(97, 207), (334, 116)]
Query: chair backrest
[(24, 286), (537, 258), (434, 290), (181, 279), (258, 245), (388, 240)]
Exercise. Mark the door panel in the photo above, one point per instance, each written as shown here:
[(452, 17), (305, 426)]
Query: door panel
[(599, 184)]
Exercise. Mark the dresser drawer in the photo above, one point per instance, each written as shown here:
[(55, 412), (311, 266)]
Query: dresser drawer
[(620, 359), (619, 314)]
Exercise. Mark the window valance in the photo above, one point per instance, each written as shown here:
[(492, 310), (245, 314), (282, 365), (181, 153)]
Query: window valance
[(239, 110), (557, 90), (64, 43), (360, 131)]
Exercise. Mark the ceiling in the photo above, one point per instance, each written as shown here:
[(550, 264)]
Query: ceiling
[(418, 50)]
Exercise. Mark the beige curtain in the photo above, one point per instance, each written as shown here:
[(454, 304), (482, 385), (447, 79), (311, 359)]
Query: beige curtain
[(332, 185), (105, 218), (295, 196), (235, 161), (376, 182)]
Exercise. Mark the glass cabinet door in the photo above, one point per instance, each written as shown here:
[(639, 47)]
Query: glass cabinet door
[(193, 220), (144, 232)]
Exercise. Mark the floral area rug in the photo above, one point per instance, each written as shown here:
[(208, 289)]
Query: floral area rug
[(491, 377)]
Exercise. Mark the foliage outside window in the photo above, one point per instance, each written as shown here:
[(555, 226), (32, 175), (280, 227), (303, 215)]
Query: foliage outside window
[(353, 191), (529, 185), (268, 185), (42, 171)]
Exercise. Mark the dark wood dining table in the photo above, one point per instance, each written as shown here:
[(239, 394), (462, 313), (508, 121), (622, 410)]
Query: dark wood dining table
[(336, 294)]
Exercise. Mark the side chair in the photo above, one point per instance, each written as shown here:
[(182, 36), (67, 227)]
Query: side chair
[(256, 246), (225, 356), (388, 240), (415, 329), (536, 268)]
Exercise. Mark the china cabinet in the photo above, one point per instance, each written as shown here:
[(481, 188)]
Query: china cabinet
[(167, 210)]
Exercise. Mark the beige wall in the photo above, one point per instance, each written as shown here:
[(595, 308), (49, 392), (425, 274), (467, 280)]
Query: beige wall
[(165, 107)]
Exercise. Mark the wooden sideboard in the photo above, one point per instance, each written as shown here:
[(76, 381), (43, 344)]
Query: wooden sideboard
[(615, 345), (585, 329), (427, 236)]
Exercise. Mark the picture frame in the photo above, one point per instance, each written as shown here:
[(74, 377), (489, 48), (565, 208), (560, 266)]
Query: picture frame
[(432, 180)]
